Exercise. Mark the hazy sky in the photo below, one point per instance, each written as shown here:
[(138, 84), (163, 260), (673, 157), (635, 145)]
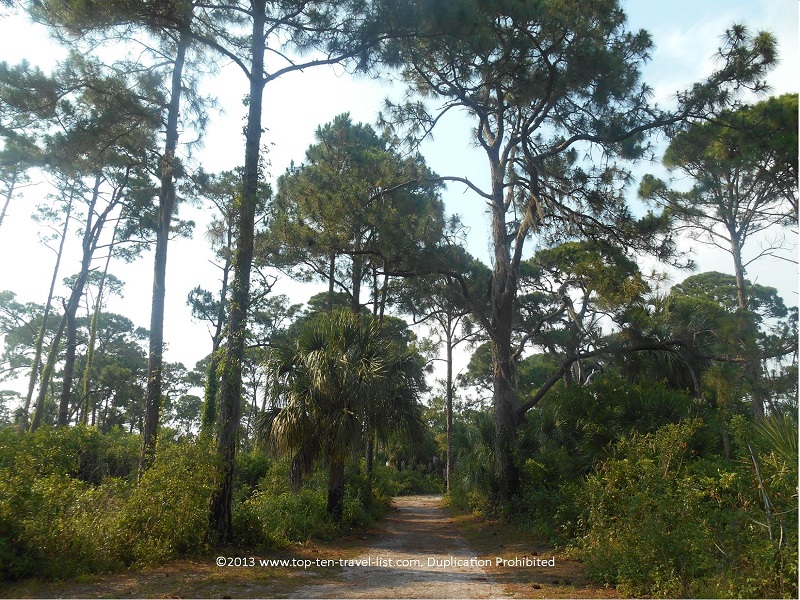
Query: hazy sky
[(686, 35)]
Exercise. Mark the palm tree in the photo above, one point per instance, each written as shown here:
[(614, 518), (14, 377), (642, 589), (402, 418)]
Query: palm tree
[(341, 380)]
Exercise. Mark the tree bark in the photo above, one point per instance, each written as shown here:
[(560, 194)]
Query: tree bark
[(231, 393), (503, 295), (166, 208), (335, 506), (69, 368), (357, 277), (331, 275), (87, 371), (738, 267), (90, 238), (209, 417), (37, 359), (451, 459), (9, 195), (752, 368)]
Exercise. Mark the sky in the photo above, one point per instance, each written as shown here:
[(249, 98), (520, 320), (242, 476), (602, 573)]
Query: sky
[(686, 35)]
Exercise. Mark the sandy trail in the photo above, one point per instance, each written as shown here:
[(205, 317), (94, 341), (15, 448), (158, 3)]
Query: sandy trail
[(409, 558)]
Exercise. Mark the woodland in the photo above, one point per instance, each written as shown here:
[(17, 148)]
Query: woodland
[(650, 429)]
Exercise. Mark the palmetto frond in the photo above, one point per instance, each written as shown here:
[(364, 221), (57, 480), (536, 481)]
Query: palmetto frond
[(780, 431), (340, 380)]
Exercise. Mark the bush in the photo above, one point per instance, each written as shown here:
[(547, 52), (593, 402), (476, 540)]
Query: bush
[(167, 513), (57, 513), (660, 520), (61, 513), (274, 516), (391, 482), (80, 452)]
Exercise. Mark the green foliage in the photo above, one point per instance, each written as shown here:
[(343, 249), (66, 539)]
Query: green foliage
[(476, 475), (585, 420), (275, 516), (660, 519), (355, 197), (167, 514), (629, 475), (79, 452), (68, 502), (571, 431), (344, 379), (405, 482)]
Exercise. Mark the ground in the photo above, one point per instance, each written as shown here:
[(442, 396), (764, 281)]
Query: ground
[(420, 550)]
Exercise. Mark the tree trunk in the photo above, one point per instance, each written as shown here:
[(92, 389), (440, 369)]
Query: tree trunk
[(356, 279), (37, 359), (91, 236), (209, 417), (335, 506), (231, 393), (47, 374), (752, 368), (375, 291), (331, 275), (69, 368), (505, 423), (384, 294), (503, 295), (451, 459), (166, 208), (9, 195), (87, 371), (104, 426), (736, 251)]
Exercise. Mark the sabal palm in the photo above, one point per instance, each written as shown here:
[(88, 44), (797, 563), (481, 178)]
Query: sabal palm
[(341, 379)]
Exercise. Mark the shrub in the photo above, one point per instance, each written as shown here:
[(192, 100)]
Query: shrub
[(80, 452), (391, 482), (61, 513), (660, 520), (57, 514), (167, 513), (274, 515)]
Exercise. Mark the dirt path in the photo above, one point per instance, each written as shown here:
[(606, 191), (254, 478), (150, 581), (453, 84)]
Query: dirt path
[(419, 553)]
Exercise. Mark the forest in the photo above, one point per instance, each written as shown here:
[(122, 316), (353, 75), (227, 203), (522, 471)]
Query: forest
[(646, 424)]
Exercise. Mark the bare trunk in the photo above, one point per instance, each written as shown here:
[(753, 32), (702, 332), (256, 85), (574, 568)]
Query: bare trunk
[(47, 374), (231, 394), (331, 275), (87, 371), (90, 238), (69, 368), (451, 459), (752, 368), (37, 359), (209, 417), (375, 292), (356, 278), (384, 294), (741, 291), (104, 427), (9, 195), (335, 505), (166, 208), (503, 295)]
